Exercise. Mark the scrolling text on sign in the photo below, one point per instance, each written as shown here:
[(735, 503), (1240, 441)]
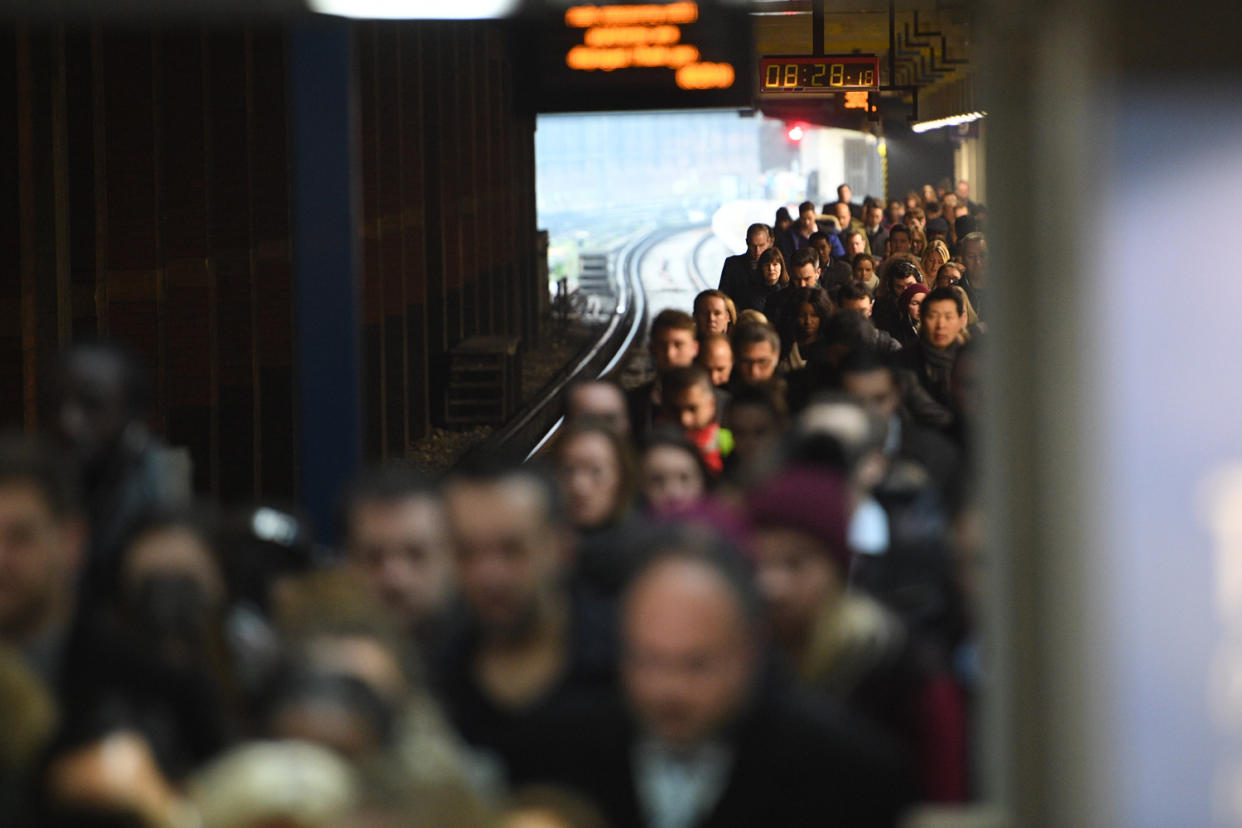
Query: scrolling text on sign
[(643, 36)]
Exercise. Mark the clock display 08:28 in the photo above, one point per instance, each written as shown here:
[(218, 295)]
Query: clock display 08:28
[(826, 74)]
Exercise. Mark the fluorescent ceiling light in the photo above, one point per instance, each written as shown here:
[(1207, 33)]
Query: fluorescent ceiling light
[(952, 120), (415, 9)]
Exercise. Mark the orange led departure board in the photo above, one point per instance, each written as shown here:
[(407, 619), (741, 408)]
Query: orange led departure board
[(681, 54)]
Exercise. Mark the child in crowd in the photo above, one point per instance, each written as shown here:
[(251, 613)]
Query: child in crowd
[(690, 401)]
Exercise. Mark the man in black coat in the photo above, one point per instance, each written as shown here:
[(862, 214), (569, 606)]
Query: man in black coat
[(739, 271), (871, 380), (526, 642), (973, 248), (705, 736), (833, 271), (845, 196), (877, 234)]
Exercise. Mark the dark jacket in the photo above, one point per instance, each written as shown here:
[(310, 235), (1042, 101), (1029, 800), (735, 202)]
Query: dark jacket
[(868, 661), (606, 557), (977, 295), (940, 456), (774, 306), (836, 274), (642, 409), (883, 342), (878, 241), (886, 317), (791, 241), (591, 669), (754, 294), (736, 275), (645, 414), (938, 225), (932, 367), (905, 334), (917, 403), (796, 763)]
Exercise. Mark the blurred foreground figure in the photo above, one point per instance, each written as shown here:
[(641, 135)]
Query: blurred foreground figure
[(352, 682), (596, 471), (147, 692), (874, 383), (844, 643), (756, 418), (692, 402), (154, 660), (674, 477), (28, 722), (397, 542), (704, 737), (41, 541), (102, 395), (716, 357), (601, 400), (672, 345), (528, 643), (264, 548), (286, 783), (547, 807)]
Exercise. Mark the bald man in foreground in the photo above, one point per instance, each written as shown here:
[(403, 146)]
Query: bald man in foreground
[(704, 736)]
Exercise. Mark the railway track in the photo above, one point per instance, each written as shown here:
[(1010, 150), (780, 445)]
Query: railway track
[(644, 281), (611, 350)]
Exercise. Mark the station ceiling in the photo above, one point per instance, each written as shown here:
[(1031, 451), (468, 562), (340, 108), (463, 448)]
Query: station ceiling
[(931, 39)]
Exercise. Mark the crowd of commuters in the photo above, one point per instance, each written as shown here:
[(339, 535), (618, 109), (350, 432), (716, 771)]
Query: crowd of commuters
[(738, 594)]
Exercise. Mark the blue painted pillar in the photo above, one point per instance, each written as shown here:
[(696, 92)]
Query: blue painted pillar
[(326, 262)]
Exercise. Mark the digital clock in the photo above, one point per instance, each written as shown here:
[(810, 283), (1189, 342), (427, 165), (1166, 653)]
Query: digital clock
[(819, 75)]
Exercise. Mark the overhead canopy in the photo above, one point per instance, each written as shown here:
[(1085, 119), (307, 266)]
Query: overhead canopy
[(583, 55)]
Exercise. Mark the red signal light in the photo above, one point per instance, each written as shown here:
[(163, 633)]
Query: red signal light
[(795, 132)]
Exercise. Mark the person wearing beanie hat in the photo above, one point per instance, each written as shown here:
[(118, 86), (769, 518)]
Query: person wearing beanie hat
[(800, 520), (845, 644), (811, 501)]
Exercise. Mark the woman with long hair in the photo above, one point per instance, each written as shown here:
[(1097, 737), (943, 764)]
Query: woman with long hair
[(909, 304), (973, 325), (918, 241), (598, 479), (596, 472), (806, 315), (772, 276), (934, 256)]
